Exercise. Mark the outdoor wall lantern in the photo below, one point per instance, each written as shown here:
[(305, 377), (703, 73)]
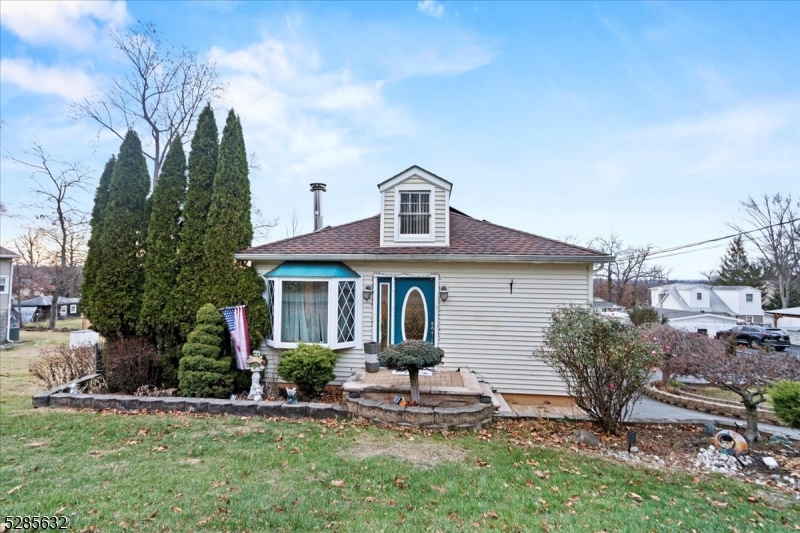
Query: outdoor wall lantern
[(367, 292), (443, 293)]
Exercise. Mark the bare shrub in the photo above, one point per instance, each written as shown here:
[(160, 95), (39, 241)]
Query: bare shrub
[(130, 364), (60, 365), (603, 363)]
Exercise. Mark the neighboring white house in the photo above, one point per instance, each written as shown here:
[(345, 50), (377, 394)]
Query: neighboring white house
[(423, 270), (6, 275), (706, 308)]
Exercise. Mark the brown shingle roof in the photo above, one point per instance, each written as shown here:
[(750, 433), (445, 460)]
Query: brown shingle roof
[(468, 237)]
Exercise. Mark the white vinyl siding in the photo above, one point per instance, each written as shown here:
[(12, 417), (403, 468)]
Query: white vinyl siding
[(483, 326)]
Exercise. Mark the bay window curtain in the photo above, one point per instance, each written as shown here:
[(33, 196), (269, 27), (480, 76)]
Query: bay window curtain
[(304, 311)]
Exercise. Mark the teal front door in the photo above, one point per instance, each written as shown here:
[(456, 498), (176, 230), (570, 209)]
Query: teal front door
[(414, 309)]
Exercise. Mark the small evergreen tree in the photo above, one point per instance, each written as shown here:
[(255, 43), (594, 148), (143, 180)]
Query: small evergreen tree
[(204, 370), (161, 260), (116, 296), (412, 355), (229, 229), (187, 295), (736, 269), (93, 256)]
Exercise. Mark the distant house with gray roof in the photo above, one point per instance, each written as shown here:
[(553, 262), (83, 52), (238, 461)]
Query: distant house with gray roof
[(707, 308)]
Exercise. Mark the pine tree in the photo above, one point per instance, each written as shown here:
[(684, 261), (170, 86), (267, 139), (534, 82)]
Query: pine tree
[(161, 260), (187, 296), (94, 255), (204, 370), (117, 294), (736, 269), (228, 282)]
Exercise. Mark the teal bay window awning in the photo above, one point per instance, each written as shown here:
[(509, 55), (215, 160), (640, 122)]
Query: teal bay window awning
[(307, 269), (313, 302)]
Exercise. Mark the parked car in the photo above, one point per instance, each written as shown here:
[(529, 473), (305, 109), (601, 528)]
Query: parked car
[(755, 336)]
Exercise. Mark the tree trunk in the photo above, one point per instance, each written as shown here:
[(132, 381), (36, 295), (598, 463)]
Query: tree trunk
[(53, 311), (752, 435), (413, 376)]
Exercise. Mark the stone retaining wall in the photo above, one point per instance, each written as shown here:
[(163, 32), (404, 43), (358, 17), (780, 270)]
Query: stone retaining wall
[(191, 405), (475, 416), (709, 406)]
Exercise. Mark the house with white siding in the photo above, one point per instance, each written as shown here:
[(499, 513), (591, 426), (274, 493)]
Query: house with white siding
[(7, 258), (707, 308), (422, 269)]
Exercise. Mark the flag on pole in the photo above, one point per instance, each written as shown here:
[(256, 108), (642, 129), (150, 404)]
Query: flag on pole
[(236, 319)]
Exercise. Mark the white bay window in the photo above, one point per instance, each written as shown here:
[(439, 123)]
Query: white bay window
[(313, 303)]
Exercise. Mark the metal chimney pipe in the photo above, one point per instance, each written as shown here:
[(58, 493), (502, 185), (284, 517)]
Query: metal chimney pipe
[(317, 189)]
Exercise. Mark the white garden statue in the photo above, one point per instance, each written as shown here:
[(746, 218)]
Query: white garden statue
[(256, 364)]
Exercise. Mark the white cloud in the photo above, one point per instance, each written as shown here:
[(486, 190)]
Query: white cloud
[(430, 7), (70, 84), (304, 117), (72, 24)]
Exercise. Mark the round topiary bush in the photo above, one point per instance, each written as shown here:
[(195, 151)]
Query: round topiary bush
[(412, 356), (309, 366), (203, 370), (785, 399)]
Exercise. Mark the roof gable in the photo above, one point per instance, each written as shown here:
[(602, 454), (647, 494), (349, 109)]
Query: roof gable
[(420, 172)]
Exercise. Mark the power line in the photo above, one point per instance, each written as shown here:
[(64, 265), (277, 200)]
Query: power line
[(692, 245)]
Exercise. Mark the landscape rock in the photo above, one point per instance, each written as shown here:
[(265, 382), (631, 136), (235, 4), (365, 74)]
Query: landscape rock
[(581, 436), (710, 428), (770, 462)]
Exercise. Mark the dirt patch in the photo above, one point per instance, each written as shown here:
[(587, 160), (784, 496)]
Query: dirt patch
[(414, 449)]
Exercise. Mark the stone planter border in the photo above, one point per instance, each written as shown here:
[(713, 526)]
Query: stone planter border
[(709, 406), (473, 417), (173, 404)]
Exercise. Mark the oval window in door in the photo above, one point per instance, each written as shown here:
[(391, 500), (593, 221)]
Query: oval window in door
[(415, 315)]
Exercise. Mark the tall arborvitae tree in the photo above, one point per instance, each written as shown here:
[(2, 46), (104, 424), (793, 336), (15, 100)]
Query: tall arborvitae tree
[(187, 296), (228, 282), (736, 269), (118, 280), (94, 254), (161, 261)]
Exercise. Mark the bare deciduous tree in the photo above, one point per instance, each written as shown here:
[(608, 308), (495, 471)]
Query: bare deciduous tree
[(60, 221), (624, 278), (747, 373), (162, 91), (778, 237), (293, 225)]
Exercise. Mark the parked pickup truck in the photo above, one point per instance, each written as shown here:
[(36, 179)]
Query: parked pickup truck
[(755, 336)]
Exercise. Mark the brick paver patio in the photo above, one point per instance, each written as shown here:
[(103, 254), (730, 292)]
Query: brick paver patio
[(440, 378)]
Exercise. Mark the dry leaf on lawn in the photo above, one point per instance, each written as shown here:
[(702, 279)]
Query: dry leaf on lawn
[(338, 483)]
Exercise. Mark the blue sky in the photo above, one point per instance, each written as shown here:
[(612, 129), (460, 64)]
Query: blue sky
[(651, 120)]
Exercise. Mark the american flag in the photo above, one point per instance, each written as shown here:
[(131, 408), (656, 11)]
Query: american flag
[(236, 319)]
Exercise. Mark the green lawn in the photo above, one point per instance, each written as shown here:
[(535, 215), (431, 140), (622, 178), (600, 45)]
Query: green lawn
[(113, 472), (67, 323)]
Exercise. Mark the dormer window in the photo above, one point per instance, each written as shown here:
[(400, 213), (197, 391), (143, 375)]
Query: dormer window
[(415, 213), (699, 296), (748, 298)]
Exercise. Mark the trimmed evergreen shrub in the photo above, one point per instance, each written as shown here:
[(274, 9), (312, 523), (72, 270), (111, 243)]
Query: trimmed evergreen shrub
[(785, 399), (130, 364), (411, 355), (204, 371), (643, 314), (309, 366)]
